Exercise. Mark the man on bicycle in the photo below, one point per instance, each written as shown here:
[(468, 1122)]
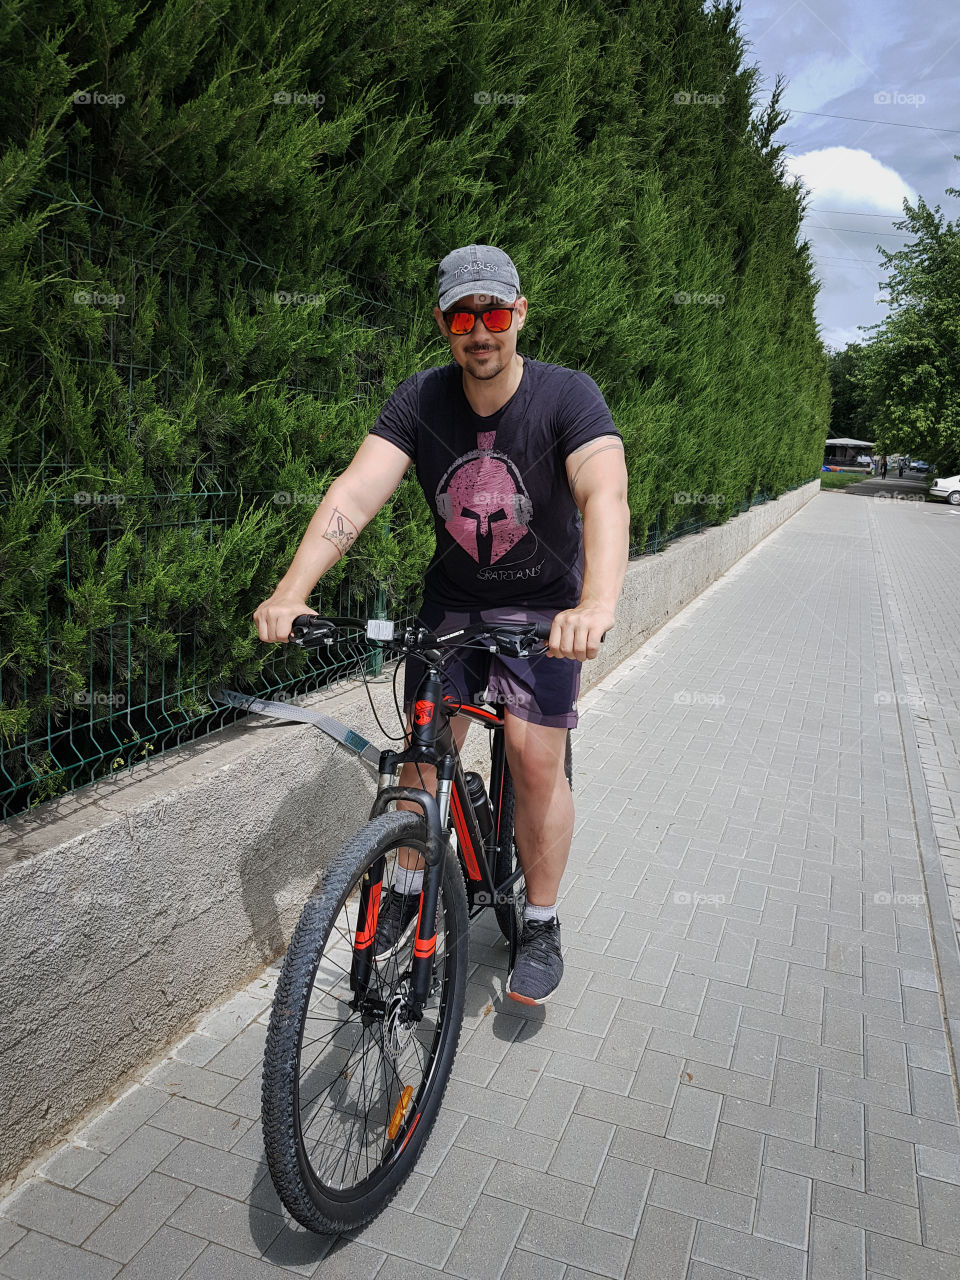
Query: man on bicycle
[(523, 469)]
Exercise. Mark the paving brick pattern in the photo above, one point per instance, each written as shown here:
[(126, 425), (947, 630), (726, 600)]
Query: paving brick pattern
[(745, 1072), (920, 548)]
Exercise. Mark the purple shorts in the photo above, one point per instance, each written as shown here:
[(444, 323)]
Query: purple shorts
[(541, 690)]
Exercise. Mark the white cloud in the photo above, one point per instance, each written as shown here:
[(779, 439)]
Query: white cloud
[(841, 176)]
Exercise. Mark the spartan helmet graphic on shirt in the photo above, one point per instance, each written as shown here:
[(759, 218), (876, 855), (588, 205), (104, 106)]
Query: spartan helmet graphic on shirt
[(483, 502)]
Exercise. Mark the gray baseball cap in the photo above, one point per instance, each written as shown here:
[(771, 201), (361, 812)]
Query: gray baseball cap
[(476, 268)]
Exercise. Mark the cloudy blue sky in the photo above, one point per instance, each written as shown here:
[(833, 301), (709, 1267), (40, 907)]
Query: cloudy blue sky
[(894, 63)]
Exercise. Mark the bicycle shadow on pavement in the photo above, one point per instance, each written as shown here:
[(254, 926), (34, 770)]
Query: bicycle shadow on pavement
[(279, 868)]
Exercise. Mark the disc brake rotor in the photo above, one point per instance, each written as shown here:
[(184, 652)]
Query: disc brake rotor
[(398, 1032)]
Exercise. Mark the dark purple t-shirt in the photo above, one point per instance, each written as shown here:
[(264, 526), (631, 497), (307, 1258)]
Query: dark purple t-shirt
[(508, 530)]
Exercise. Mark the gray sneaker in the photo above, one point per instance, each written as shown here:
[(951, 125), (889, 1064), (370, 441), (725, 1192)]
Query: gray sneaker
[(539, 967)]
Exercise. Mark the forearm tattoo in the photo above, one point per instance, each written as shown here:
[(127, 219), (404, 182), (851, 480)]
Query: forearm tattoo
[(614, 444), (341, 531)]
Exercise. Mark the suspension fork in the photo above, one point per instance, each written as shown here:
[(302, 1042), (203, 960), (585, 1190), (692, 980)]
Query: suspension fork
[(425, 939), (367, 916), (431, 735), (371, 888)]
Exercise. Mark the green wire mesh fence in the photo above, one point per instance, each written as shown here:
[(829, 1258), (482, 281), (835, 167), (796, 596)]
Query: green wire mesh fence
[(660, 535), (136, 714)]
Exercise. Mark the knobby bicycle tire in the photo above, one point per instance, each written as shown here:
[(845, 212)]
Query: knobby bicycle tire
[(507, 861), (320, 953)]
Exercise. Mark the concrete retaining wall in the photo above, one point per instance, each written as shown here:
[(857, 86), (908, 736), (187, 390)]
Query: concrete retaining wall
[(133, 906)]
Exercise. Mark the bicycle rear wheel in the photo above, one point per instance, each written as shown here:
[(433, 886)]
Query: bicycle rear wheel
[(507, 860), (350, 1090)]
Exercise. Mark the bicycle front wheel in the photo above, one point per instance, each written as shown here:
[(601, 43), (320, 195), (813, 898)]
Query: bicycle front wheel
[(350, 1089)]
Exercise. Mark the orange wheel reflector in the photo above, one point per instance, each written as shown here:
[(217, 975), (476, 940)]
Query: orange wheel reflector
[(399, 1111)]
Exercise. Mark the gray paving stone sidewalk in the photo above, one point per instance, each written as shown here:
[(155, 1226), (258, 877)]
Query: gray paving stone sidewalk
[(746, 1071)]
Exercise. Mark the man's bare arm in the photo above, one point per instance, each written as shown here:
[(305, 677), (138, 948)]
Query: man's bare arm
[(579, 459), (350, 503), (598, 480)]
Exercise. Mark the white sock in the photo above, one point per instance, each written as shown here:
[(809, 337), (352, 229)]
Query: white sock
[(531, 912), (408, 881)]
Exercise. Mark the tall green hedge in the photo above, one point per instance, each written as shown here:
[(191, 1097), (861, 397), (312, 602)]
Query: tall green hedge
[(219, 231)]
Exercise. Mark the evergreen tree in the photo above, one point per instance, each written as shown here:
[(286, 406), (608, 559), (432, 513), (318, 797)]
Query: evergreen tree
[(219, 232)]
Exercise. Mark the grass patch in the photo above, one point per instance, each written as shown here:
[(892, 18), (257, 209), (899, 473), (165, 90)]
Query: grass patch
[(840, 479)]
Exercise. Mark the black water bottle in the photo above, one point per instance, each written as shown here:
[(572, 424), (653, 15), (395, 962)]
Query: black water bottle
[(481, 803)]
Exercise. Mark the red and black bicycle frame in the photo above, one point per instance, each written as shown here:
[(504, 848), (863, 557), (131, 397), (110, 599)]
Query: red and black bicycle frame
[(431, 742)]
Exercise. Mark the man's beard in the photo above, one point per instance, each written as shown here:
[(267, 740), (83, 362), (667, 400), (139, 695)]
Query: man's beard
[(483, 372)]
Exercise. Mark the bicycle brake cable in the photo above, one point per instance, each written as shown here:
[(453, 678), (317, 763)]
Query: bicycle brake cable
[(389, 736)]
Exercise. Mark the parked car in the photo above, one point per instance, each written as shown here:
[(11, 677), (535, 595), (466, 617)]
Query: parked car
[(865, 460), (946, 489), (917, 465)]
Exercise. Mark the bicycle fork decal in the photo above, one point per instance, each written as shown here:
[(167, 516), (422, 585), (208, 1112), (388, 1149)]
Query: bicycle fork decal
[(368, 913), (423, 947)]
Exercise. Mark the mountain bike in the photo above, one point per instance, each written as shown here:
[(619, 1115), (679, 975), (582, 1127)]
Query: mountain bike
[(359, 1045)]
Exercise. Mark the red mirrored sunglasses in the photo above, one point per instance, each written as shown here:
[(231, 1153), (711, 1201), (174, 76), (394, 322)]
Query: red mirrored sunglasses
[(495, 319)]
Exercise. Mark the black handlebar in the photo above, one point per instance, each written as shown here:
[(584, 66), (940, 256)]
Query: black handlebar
[(311, 629)]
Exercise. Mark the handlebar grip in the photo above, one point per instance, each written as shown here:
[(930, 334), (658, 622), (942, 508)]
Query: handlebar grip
[(542, 631), (304, 621)]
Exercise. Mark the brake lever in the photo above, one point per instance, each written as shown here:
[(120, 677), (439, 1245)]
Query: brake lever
[(519, 646), (311, 634)]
